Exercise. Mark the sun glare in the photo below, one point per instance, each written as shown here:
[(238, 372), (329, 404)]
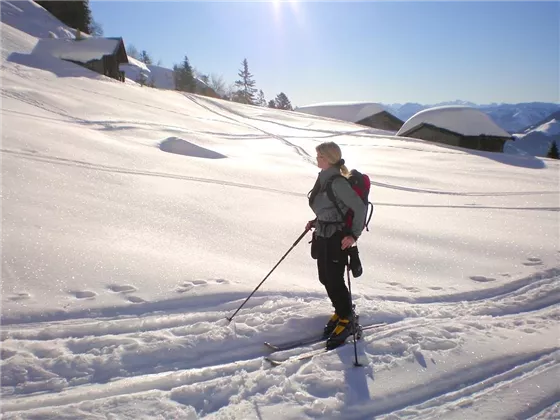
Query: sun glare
[(278, 5)]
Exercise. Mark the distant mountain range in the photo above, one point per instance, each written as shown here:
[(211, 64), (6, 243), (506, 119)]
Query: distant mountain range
[(536, 139), (514, 118)]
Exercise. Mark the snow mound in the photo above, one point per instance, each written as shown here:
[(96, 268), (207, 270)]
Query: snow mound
[(459, 119), (183, 147), (29, 17), (345, 111)]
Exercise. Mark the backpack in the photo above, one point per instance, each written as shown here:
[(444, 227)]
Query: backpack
[(359, 183)]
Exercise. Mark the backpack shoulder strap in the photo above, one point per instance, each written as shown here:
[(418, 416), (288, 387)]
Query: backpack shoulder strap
[(331, 195)]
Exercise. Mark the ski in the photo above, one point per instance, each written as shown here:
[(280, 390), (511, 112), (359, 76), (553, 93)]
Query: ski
[(303, 356), (312, 340)]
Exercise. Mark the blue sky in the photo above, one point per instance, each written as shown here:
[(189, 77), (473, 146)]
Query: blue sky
[(387, 52)]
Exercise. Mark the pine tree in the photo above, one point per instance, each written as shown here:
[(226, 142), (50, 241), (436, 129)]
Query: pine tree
[(553, 152), (282, 102), (271, 104), (75, 14), (183, 76), (246, 86), (260, 101), (145, 57)]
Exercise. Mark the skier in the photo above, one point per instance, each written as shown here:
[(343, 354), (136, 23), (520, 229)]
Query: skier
[(332, 238)]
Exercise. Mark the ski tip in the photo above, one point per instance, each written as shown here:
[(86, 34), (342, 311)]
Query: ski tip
[(272, 361), (271, 346)]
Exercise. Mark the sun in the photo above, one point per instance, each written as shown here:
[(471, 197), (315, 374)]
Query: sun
[(287, 10), (278, 4)]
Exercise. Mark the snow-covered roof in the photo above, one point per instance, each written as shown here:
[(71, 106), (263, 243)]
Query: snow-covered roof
[(83, 50), (459, 119), (161, 77), (345, 111), (133, 62)]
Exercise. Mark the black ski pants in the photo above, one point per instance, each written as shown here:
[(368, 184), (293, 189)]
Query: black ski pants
[(331, 265)]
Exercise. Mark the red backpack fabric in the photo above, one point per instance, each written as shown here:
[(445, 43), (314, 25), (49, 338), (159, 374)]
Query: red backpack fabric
[(359, 183)]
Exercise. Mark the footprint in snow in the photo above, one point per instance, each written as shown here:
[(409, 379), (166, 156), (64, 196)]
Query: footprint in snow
[(532, 261), (189, 285), (125, 288), (83, 294), (185, 287), (435, 288), (19, 296), (482, 279), (135, 299)]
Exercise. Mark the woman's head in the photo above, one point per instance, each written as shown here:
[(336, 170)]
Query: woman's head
[(329, 154)]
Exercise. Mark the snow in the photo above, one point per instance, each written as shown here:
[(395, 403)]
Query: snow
[(138, 66), (160, 77), (459, 119), (34, 20), (535, 141), (344, 111), (550, 128), (134, 221), (82, 51)]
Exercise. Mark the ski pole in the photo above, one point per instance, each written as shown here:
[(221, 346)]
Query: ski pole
[(356, 363), (270, 272)]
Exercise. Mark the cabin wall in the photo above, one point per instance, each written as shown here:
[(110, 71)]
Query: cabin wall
[(382, 121)]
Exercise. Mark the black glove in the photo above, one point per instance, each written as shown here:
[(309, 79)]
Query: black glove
[(355, 263)]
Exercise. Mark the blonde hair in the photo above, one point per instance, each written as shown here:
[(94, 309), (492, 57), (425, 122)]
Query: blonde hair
[(332, 153)]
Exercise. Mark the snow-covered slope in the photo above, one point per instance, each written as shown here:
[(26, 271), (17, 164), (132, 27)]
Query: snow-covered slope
[(537, 139), (549, 126), (344, 111), (515, 117), (134, 221), (34, 20), (459, 119)]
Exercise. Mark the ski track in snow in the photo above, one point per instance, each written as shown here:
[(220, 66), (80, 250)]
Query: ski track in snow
[(183, 350), (78, 360), (33, 155)]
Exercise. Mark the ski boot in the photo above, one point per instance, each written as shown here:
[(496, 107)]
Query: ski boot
[(331, 325), (343, 330)]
